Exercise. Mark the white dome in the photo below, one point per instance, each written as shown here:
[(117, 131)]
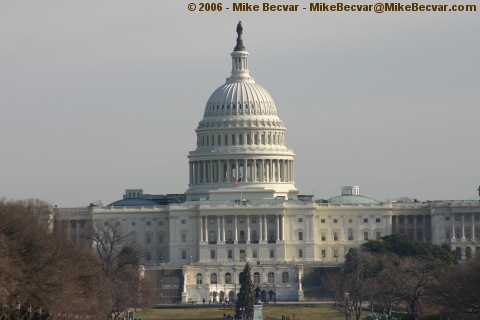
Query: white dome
[(237, 98)]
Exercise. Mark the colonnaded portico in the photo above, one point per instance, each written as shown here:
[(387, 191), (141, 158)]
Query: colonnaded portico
[(249, 170)]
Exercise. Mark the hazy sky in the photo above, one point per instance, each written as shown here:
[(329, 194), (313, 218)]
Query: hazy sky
[(100, 96)]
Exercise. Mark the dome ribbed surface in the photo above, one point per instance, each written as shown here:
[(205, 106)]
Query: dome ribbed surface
[(235, 98)]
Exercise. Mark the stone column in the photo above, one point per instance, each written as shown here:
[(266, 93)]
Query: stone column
[(236, 232), (236, 169), (190, 173), (228, 170), (204, 172), (218, 228), (201, 228), (278, 227), (254, 170), (223, 228), (262, 171), (211, 171), (248, 229), (219, 171), (245, 170), (473, 226), (283, 227), (463, 226), (266, 228), (312, 224), (453, 226), (206, 228), (260, 225), (299, 280)]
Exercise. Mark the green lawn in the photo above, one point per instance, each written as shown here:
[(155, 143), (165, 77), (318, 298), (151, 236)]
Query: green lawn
[(322, 313)]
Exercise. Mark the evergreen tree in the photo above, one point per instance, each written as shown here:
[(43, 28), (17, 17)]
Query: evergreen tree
[(246, 296)]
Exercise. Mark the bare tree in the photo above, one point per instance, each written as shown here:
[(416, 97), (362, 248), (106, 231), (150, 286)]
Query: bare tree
[(457, 293), (120, 262), (42, 270)]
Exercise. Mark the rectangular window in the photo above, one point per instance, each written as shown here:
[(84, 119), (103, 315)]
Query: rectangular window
[(160, 238), (149, 223), (184, 254), (377, 220), (148, 239), (324, 236), (160, 255), (300, 253), (300, 236), (350, 220), (272, 253), (365, 235), (335, 220), (365, 220), (184, 237), (230, 254), (378, 235), (335, 236), (322, 220), (324, 253), (212, 254), (254, 220), (254, 253), (229, 221), (184, 221), (212, 221), (300, 219), (160, 223)]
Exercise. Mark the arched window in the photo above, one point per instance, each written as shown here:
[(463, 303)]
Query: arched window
[(285, 278), (233, 140), (256, 278), (199, 278), (213, 278), (263, 138), (240, 139), (226, 140), (271, 277), (249, 141), (213, 140), (228, 278)]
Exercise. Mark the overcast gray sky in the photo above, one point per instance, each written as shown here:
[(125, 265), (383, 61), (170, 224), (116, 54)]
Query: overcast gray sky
[(100, 96)]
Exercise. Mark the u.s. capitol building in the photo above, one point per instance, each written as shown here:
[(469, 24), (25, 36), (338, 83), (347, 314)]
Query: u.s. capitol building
[(242, 204)]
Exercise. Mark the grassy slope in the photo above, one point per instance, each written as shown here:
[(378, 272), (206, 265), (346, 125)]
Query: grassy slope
[(323, 313)]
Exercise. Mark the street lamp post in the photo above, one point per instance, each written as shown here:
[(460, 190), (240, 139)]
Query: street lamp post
[(161, 291), (347, 306)]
